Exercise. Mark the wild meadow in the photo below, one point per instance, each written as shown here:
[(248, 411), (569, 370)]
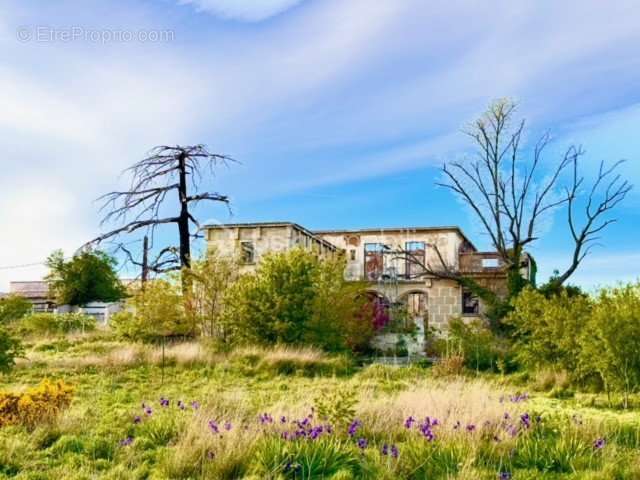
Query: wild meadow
[(298, 413)]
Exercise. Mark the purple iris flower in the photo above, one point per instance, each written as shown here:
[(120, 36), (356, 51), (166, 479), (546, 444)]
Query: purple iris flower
[(181, 405), (394, 451), (526, 420), (265, 418), (428, 434), (126, 442), (599, 444), (471, 427), (384, 450), (408, 423), (213, 426), (148, 411), (353, 428), (504, 476), (362, 443), (195, 405), (283, 419), (164, 402), (227, 426), (137, 419)]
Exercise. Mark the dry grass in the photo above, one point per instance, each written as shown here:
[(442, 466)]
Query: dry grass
[(281, 353), (383, 414), (456, 400), (280, 359)]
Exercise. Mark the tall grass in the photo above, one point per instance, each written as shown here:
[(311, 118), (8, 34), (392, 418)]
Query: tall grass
[(277, 360)]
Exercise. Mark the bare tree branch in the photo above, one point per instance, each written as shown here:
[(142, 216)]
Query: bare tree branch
[(597, 206), (162, 177), (510, 195)]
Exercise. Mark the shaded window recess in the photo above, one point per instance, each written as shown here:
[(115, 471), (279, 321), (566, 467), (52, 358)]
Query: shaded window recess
[(470, 303), (415, 253), (352, 255), (247, 252), (490, 263), (373, 261)]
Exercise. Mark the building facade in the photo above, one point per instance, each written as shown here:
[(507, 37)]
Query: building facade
[(388, 259)]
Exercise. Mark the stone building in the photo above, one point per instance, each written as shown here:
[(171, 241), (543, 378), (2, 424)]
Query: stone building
[(379, 257)]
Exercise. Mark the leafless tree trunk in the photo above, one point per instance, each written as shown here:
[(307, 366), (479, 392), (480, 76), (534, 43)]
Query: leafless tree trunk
[(167, 170), (510, 194)]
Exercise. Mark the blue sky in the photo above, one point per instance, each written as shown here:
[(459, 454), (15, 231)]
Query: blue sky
[(340, 112)]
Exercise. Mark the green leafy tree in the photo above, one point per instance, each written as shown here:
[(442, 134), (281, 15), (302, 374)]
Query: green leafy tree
[(13, 307), (88, 277), (547, 330), (341, 316), (10, 349), (153, 313), (295, 297), (611, 341), (211, 277)]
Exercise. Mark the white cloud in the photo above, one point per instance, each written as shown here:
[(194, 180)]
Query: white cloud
[(243, 10), (70, 132), (37, 216), (337, 91)]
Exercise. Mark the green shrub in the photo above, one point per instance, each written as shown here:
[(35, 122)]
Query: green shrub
[(337, 407), (481, 349), (13, 307), (156, 311), (610, 342), (10, 349), (422, 459), (56, 323), (547, 331), (323, 458), (296, 298)]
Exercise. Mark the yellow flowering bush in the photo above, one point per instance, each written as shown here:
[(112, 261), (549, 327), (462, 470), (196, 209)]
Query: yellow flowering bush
[(36, 405)]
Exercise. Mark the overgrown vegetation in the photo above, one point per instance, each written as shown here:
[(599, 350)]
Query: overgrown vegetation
[(155, 311), (297, 298), (43, 323), (260, 413), (592, 339), (89, 276)]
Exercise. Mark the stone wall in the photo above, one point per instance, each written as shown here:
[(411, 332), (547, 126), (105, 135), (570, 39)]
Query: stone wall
[(445, 302)]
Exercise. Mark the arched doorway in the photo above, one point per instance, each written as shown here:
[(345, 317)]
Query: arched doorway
[(416, 303)]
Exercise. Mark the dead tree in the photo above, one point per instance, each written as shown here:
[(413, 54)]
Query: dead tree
[(510, 194), (606, 193), (166, 175)]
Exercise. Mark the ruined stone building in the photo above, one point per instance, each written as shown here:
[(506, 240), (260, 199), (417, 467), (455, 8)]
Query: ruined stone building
[(378, 257)]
